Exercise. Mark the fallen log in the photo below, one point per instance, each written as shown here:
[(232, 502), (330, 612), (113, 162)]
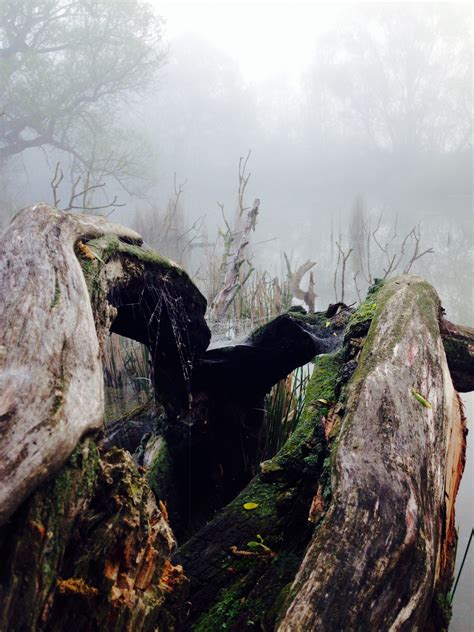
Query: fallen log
[(377, 509), (384, 554)]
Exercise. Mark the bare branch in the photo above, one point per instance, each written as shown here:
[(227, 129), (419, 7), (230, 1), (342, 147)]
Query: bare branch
[(55, 182), (309, 295)]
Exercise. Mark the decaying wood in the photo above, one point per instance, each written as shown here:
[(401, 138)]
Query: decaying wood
[(90, 551), (350, 526), (384, 545), (232, 279), (309, 295), (376, 472), (52, 326), (459, 347), (268, 354), (51, 386)]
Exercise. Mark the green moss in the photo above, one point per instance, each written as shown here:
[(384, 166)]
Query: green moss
[(228, 606), (160, 470), (321, 386), (107, 246), (426, 300), (264, 494), (443, 611)]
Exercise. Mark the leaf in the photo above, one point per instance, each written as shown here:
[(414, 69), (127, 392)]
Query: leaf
[(328, 323), (249, 506), (419, 397), (253, 545), (322, 401)]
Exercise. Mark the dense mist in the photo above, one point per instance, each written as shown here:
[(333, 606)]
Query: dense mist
[(351, 123)]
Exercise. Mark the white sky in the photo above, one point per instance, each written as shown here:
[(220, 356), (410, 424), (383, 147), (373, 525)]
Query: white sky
[(263, 37)]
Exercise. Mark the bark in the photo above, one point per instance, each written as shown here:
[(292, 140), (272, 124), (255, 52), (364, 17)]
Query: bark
[(386, 544), (66, 280)]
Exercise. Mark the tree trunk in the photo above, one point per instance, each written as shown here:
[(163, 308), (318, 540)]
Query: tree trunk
[(353, 527), (388, 537)]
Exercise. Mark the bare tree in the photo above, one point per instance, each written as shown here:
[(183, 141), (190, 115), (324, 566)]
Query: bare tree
[(80, 194), (380, 249)]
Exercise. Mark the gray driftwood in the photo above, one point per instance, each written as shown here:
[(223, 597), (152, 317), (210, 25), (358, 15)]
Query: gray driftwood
[(65, 280)]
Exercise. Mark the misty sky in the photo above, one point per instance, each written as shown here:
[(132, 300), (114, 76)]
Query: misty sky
[(265, 38)]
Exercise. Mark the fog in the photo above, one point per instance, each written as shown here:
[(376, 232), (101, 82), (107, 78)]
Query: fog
[(350, 110)]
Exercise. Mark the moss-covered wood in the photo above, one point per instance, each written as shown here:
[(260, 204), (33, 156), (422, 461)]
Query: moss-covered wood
[(90, 551), (383, 554), (65, 281), (235, 585)]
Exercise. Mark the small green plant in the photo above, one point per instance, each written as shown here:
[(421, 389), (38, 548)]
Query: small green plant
[(260, 544)]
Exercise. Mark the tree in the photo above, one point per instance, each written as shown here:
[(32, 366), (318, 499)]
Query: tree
[(399, 77), (69, 70)]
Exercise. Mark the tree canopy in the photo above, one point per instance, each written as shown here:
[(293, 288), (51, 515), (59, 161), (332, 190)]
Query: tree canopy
[(68, 69)]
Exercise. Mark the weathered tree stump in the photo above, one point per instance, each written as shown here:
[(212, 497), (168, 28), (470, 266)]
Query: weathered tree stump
[(65, 281)]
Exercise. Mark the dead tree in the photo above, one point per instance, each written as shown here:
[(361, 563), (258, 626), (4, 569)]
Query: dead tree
[(233, 280), (307, 296)]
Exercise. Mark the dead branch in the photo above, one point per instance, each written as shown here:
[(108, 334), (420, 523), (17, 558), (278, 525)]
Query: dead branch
[(55, 182), (243, 181), (232, 279), (309, 295), (75, 195), (416, 254), (344, 256)]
